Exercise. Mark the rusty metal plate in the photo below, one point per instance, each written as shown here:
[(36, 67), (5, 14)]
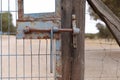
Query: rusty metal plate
[(36, 25)]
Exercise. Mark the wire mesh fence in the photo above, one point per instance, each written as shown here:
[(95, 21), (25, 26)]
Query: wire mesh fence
[(25, 59), (102, 58)]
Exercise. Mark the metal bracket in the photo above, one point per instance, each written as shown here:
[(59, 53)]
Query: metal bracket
[(76, 31)]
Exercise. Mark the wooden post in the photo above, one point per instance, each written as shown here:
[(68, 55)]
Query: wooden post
[(78, 53), (73, 58), (66, 6)]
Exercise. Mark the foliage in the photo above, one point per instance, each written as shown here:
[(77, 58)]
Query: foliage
[(103, 31), (6, 21), (90, 36)]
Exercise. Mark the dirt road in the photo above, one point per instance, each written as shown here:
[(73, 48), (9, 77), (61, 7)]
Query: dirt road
[(102, 60)]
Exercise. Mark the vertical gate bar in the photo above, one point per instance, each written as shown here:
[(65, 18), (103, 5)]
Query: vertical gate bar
[(58, 70), (58, 63), (46, 59), (51, 51), (39, 49), (55, 59), (20, 9), (16, 62), (1, 37), (8, 33), (16, 43), (23, 59), (31, 57)]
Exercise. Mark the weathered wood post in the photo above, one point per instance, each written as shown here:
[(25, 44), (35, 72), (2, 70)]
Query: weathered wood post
[(78, 53), (73, 58), (67, 49)]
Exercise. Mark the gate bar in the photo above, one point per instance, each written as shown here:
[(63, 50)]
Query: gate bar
[(29, 30)]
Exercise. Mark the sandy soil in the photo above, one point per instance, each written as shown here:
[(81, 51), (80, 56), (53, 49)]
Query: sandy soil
[(102, 59)]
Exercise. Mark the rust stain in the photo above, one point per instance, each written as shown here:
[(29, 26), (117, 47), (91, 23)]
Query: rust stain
[(59, 66)]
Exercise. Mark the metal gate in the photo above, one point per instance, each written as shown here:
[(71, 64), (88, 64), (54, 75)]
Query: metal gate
[(34, 51)]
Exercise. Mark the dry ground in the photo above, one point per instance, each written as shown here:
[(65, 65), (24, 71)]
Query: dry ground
[(102, 59)]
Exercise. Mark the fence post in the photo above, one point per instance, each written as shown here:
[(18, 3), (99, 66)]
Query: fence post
[(66, 22), (78, 53), (73, 58)]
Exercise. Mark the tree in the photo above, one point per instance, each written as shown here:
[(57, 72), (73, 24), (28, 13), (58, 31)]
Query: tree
[(103, 31), (6, 21), (90, 36)]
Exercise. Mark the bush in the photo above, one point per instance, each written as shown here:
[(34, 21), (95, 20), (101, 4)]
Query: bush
[(90, 36)]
